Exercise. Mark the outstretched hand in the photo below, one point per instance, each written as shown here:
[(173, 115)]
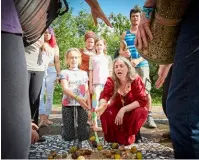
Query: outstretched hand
[(100, 110), (143, 32), (97, 12)]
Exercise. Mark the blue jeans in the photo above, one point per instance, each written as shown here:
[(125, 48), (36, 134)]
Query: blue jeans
[(183, 97), (48, 88)]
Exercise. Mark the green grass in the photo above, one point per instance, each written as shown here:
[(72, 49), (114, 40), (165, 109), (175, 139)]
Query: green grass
[(156, 99)]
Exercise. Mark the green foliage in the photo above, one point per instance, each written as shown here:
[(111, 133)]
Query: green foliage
[(70, 30), (155, 93)]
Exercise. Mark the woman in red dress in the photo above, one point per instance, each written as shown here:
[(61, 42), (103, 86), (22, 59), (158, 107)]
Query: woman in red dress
[(122, 104)]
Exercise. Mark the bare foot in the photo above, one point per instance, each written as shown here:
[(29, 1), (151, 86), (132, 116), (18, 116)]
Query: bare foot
[(43, 124), (97, 129), (49, 122)]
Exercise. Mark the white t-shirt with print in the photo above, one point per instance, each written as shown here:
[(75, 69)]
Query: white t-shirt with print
[(77, 83)]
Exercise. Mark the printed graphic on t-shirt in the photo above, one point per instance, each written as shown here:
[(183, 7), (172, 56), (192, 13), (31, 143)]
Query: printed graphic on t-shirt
[(77, 83)]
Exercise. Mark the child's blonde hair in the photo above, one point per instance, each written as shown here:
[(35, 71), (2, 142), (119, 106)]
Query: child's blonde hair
[(68, 53), (101, 39)]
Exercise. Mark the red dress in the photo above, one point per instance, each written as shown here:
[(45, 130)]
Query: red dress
[(132, 121)]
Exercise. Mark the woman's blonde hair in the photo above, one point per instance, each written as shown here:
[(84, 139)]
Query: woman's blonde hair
[(131, 74), (68, 52), (101, 39)]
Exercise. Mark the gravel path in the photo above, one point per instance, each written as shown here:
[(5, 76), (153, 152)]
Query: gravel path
[(149, 149)]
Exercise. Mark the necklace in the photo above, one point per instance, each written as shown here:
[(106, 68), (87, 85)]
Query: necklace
[(122, 98), (125, 90), (124, 93)]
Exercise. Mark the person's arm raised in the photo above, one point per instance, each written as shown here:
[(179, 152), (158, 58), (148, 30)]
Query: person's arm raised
[(97, 12), (144, 30)]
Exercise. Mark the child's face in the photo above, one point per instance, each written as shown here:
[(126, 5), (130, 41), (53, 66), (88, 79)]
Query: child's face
[(100, 46), (73, 59), (90, 43)]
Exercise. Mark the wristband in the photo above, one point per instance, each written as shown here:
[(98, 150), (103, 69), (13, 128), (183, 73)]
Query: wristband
[(59, 76), (76, 97), (148, 12)]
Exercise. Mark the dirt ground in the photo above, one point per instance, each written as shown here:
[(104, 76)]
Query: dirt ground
[(159, 134)]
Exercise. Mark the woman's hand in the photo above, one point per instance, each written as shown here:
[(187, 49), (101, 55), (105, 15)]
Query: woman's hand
[(119, 116), (100, 110), (143, 32)]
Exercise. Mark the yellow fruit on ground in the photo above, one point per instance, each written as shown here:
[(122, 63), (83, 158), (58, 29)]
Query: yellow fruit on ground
[(92, 138), (115, 145), (117, 156), (81, 158), (99, 147), (139, 155), (133, 149)]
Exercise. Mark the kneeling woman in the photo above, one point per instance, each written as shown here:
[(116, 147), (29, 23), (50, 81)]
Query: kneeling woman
[(122, 104)]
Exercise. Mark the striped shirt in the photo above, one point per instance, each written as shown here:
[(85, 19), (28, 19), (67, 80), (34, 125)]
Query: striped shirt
[(130, 38)]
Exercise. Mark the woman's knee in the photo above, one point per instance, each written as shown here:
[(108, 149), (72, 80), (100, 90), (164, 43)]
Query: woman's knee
[(141, 111)]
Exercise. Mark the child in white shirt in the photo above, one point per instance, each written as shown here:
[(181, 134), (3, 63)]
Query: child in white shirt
[(76, 98), (100, 68)]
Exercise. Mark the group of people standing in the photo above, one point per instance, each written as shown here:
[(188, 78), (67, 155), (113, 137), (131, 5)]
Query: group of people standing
[(124, 101), (95, 86), (86, 83)]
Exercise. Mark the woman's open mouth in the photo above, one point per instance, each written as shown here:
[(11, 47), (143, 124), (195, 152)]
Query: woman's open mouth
[(119, 73)]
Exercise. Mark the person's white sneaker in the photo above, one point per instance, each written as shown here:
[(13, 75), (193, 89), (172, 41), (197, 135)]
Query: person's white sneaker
[(150, 122)]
